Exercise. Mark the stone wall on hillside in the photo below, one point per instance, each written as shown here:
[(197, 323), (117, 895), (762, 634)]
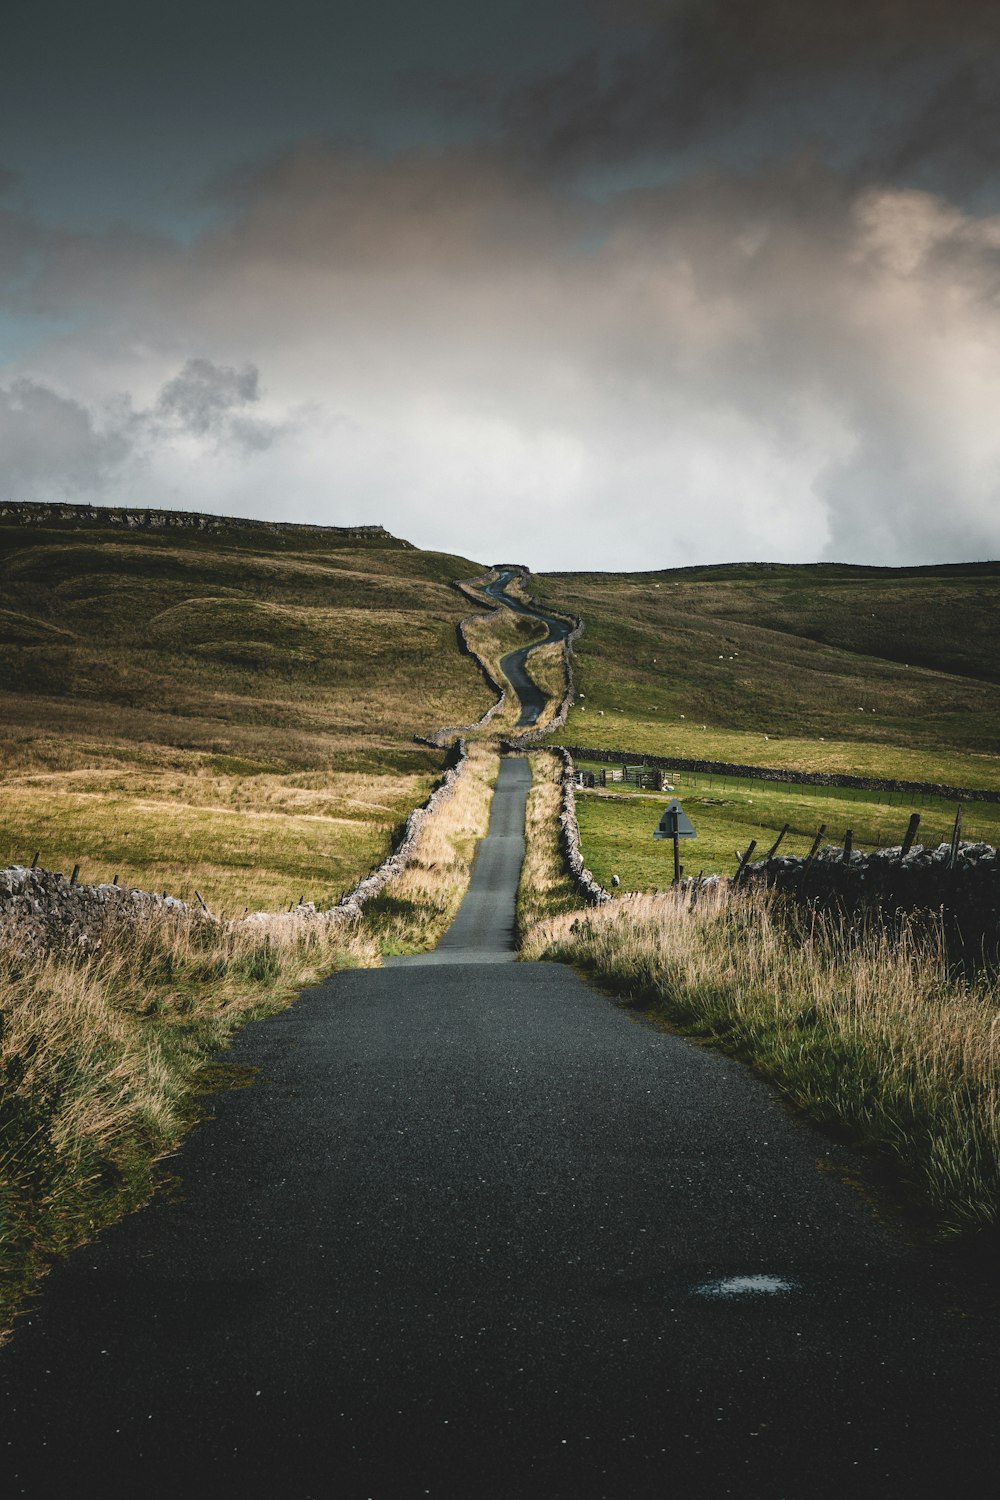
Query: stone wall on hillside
[(42, 910), (569, 838), (776, 773), (532, 737), (443, 736), (40, 513), (925, 877)]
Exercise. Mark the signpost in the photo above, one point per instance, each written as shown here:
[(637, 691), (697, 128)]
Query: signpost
[(675, 825)]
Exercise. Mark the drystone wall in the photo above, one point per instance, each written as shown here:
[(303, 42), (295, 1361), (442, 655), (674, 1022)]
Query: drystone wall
[(35, 513), (533, 737), (445, 736), (42, 910), (775, 773), (963, 892), (569, 838)]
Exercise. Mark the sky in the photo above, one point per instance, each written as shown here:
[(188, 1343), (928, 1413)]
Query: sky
[(601, 284)]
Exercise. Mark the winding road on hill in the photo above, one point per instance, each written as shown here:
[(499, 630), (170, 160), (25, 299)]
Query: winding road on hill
[(477, 1233), (514, 664)]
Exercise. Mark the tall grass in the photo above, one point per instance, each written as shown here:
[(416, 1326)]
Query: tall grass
[(544, 890), (864, 1030), (546, 666), (103, 1058), (415, 908)]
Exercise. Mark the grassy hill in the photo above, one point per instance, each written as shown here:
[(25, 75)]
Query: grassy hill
[(878, 671), (196, 701)]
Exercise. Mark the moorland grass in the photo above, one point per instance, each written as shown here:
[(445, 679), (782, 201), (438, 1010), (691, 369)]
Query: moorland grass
[(231, 711), (885, 672), (616, 825), (491, 637), (866, 1032)]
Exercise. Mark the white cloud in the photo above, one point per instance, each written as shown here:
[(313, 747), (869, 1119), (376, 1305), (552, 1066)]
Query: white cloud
[(741, 367)]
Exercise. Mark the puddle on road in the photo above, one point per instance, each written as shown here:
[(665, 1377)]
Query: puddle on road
[(746, 1286)]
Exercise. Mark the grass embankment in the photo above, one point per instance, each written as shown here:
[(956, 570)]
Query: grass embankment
[(547, 669), (616, 825), (492, 637), (544, 889), (414, 910), (870, 671), (866, 1033), (232, 710), (103, 1061)]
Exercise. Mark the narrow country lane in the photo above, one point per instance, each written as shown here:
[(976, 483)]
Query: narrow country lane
[(477, 1232), (513, 665)]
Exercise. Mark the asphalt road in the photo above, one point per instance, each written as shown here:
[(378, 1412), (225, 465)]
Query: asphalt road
[(477, 1232), (533, 700)]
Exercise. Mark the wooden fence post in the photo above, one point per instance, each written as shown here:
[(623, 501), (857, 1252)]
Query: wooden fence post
[(956, 838), (744, 861), (34, 862), (774, 847), (75, 875), (848, 846), (911, 833), (821, 830)]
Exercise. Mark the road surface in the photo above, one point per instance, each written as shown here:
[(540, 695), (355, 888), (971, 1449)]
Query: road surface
[(513, 665), (477, 1233)]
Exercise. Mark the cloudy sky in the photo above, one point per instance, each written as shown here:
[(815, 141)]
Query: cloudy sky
[(590, 283)]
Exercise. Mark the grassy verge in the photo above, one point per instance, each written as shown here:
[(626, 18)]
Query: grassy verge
[(492, 637), (887, 672), (865, 1032), (243, 836), (103, 1060), (414, 910), (544, 889), (547, 669), (616, 825)]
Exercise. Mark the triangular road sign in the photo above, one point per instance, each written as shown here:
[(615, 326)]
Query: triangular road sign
[(665, 828)]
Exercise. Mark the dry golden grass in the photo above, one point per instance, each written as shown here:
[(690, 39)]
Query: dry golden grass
[(863, 1030), (546, 666), (259, 840), (221, 666), (415, 908), (545, 890), (102, 1058), (492, 636)]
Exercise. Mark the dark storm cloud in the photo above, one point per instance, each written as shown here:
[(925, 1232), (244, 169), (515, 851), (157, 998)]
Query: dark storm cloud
[(899, 88), (728, 265), (769, 362)]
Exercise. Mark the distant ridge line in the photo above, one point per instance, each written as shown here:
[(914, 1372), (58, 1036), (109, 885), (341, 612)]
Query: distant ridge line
[(142, 518)]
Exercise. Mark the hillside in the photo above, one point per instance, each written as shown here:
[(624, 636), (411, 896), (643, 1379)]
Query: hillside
[(225, 703), (891, 671)]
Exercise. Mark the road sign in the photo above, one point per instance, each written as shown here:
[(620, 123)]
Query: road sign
[(675, 821)]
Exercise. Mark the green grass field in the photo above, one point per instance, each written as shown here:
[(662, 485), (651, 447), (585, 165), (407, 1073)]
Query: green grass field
[(892, 672), (616, 826), (231, 710)]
